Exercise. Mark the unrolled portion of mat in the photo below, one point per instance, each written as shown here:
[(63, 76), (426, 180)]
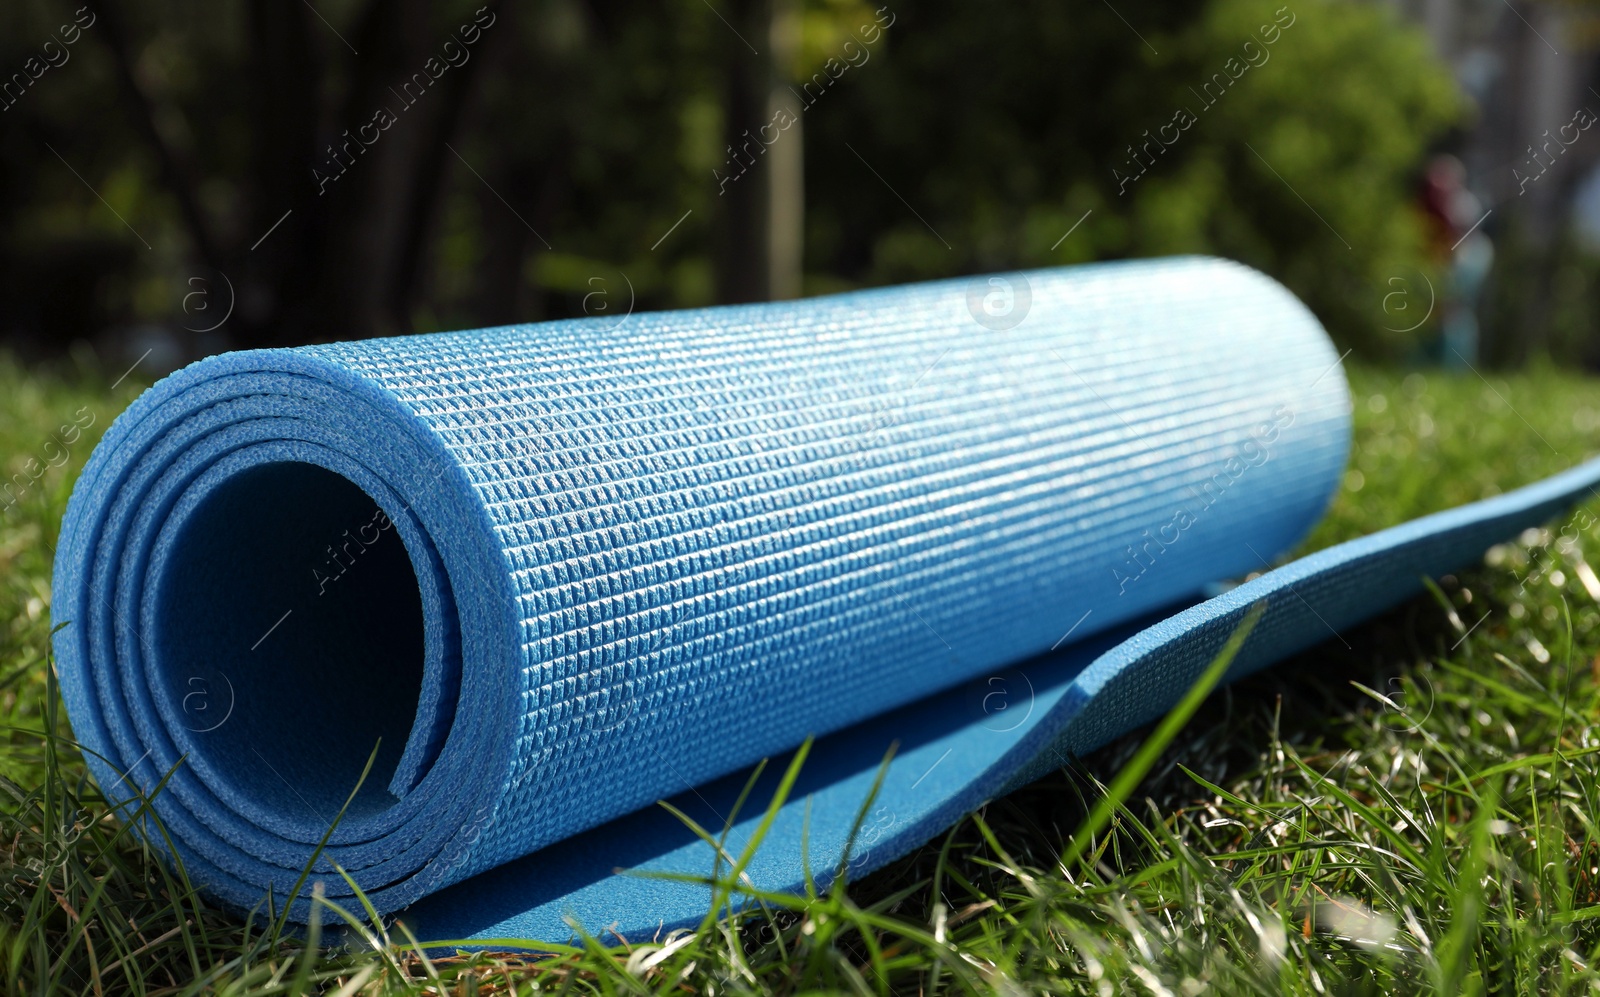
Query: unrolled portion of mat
[(541, 576), (952, 751)]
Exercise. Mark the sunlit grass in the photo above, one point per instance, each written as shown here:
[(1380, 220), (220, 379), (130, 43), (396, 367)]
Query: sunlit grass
[(1413, 814)]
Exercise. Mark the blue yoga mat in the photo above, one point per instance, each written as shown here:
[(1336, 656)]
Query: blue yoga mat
[(543, 576)]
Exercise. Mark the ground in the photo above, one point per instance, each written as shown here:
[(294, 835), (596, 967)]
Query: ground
[(1413, 814)]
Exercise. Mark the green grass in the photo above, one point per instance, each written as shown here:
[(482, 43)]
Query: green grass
[(1413, 814)]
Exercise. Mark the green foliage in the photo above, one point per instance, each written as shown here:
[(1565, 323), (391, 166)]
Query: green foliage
[(1339, 116), (591, 128), (1003, 152), (1414, 814)]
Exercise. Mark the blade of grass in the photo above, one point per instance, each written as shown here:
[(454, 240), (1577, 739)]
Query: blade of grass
[(1133, 773)]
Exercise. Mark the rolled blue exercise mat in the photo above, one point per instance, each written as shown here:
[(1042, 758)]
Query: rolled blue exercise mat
[(557, 572)]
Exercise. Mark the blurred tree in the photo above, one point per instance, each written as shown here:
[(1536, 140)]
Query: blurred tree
[(758, 241), (363, 167), (1004, 131), (303, 172)]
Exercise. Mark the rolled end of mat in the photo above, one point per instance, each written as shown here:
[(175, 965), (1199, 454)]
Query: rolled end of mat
[(259, 572), (541, 576)]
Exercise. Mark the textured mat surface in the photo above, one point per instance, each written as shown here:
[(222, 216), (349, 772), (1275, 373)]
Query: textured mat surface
[(556, 572), (960, 748)]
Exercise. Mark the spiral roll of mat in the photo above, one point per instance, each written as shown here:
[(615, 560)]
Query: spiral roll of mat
[(545, 575)]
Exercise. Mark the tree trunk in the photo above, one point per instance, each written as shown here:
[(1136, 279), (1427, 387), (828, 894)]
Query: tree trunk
[(761, 200)]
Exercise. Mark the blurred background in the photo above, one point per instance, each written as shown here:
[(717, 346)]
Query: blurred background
[(182, 177)]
